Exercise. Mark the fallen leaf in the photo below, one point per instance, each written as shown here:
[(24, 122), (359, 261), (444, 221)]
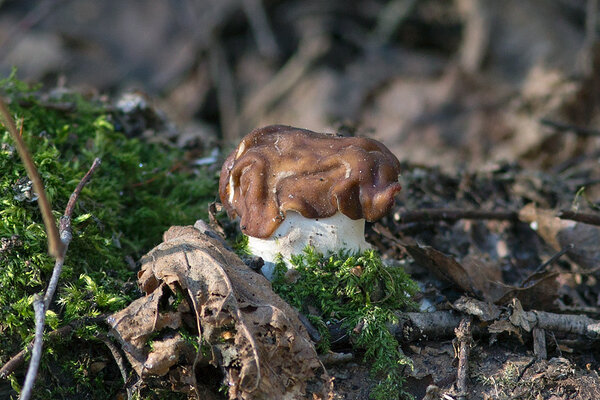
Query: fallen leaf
[(483, 310), (251, 334), (444, 266), (560, 233), (519, 318), (473, 276), (502, 326)]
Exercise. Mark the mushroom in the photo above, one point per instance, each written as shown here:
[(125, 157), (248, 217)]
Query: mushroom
[(292, 187)]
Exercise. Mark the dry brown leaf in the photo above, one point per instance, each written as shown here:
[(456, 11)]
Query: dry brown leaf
[(475, 278), (560, 233), (486, 276), (539, 292), (481, 309), (503, 325), (253, 335), (442, 265), (519, 318)]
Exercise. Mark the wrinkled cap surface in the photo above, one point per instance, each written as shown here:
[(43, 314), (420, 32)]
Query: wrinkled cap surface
[(279, 168)]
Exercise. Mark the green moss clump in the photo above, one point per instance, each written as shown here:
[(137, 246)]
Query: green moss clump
[(356, 290), (139, 191)]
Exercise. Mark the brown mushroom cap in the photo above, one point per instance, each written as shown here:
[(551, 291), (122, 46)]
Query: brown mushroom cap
[(279, 168)]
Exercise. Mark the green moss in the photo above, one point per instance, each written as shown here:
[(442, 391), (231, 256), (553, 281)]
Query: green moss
[(356, 290), (139, 191)]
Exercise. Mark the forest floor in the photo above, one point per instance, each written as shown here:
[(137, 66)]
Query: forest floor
[(493, 110)]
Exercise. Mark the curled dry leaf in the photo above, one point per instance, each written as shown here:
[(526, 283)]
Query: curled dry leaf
[(246, 331)]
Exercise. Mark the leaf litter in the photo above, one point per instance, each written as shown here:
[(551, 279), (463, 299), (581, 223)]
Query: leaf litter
[(246, 334)]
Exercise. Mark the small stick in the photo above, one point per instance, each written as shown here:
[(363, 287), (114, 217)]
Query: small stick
[(549, 261), (438, 324), (539, 344), (118, 357), (590, 219), (259, 23), (453, 214), (464, 338), (66, 234), (55, 246), (40, 314), (36, 355), (18, 359), (563, 127)]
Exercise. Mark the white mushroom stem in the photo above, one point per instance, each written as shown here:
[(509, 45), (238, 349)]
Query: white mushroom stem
[(326, 235)]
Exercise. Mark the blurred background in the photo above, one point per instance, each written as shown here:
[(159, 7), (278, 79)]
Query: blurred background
[(463, 83)]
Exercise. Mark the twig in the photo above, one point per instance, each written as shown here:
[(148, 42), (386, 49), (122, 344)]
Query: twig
[(526, 367), (440, 324), (36, 355), (225, 87), (464, 338), (309, 50), (332, 358), (263, 34), (454, 214), (118, 357), (66, 234), (564, 127), (549, 261), (390, 18), (55, 246), (32, 18), (18, 359), (591, 219), (40, 317), (539, 344)]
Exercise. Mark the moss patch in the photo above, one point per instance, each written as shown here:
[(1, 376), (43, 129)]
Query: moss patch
[(137, 193), (357, 290)]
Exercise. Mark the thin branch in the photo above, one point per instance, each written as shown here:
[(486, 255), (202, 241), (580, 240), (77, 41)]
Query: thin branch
[(454, 214), (66, 233), (18, 359), (549, 261), (414, 326), (55, 246), (259, 23), (118, 357), (79, 188), (564, 127), (591, 219), (65, 238), (36, 355), (464, 337), (32, 18)]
